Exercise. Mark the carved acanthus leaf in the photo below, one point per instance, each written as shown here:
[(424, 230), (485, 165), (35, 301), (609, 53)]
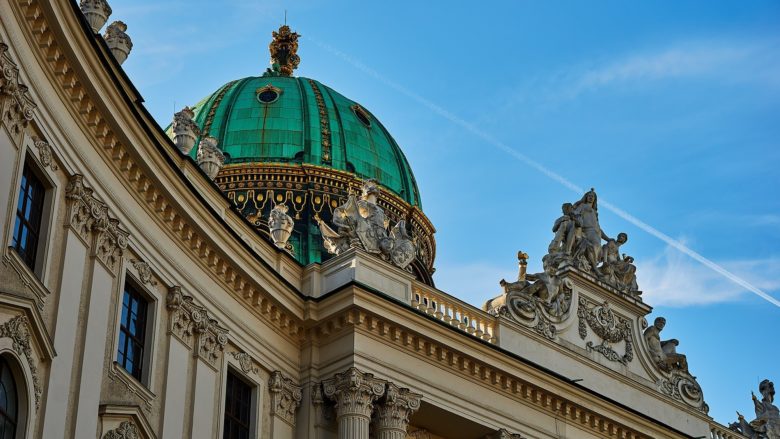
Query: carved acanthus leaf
[(126, 430), (285, 397), (394, 409), (354, 392), (145, 274), (246, 362), (192, 324), (16, 104)]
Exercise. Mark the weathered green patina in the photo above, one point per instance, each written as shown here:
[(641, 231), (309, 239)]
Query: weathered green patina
[(308, 123)]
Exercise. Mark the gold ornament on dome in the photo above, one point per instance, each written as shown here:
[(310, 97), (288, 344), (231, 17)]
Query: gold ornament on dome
[(284, 48)]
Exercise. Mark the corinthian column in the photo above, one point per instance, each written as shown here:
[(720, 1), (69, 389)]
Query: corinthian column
[(394, 411), (354, 393)]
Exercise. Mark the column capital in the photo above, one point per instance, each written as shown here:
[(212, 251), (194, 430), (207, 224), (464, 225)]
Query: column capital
[(354, 392), (395, 408), (285, 397)]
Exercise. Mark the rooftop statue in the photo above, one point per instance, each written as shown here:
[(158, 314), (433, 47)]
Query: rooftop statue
[(767, 422), (362, 224), (664, 353), (578, 241), (539, 300)]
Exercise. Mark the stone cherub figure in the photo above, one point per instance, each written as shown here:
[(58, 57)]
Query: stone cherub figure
[(362, 224), (664, 353), (767, 422)]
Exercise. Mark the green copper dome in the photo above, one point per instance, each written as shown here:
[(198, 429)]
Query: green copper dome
[(279, 119)]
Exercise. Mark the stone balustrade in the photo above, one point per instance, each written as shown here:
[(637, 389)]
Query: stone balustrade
[(718, 431), (456, 313)]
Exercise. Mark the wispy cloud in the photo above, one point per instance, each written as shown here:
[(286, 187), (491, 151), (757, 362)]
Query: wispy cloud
[(672, 279), (755, 61)]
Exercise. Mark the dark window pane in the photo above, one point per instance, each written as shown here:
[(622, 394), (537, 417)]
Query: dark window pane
[(238, 403), (28, 217), (132, 331), (9, 402)]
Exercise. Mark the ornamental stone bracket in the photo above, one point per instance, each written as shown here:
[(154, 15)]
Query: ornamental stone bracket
[(192, 324), (18, 330), (608, 327), (358, 396), (126, 430), (285, 397), (88, 216), (16, 104)]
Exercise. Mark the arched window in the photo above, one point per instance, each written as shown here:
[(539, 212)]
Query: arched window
[(9, 401)]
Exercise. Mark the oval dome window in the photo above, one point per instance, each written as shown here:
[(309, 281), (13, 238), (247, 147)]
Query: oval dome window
[(362, 115), (267, 96)]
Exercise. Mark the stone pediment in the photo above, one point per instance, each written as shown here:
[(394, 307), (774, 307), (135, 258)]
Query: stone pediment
[(584, 318)]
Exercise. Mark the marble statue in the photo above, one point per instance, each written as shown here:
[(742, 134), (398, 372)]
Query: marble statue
[(280, 224), (664, 353), (578, 242), (210, 158), (362, 224), (565, 229), (767, 422), (185, 130)]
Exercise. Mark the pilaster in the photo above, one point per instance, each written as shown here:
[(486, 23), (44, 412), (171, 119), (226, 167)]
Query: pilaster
[(285, 400)]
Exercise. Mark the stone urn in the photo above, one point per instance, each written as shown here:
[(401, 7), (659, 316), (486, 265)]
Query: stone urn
[(185, 130), (210, 158), (96, 12), (280, 225), (118, 41)]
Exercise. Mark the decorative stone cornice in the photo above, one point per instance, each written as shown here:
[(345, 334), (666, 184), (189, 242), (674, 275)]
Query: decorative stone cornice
[(18, 330), (16, 105), (87, 215), (285, 397), (45, 154), (192, 324), (354, 392), (126, 430), (394, 409)]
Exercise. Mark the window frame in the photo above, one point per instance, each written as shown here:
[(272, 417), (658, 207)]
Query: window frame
[(49, 205), (149, 325), (256, 405)]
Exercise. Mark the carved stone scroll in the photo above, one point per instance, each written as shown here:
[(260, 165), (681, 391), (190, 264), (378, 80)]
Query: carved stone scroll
[(192, 324), (285, 397), (16, 104), (607, 326), (683, 387)]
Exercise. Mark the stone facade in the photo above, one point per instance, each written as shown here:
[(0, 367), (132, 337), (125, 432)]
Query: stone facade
[(353, 348)]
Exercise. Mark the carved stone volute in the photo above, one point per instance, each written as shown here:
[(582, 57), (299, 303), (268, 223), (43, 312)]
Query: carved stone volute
[(354, 392), (285, 397), (393, 411), (16, 104)]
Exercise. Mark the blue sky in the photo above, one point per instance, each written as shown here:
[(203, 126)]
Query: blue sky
[(670, 110)]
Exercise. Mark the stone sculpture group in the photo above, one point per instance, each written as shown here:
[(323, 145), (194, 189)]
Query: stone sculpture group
[(767, 422), (578, 242), (361, 223)]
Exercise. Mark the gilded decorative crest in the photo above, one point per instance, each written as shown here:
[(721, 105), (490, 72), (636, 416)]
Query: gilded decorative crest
[(284, 56)]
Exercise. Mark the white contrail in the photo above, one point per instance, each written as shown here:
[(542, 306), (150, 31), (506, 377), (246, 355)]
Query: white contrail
[(548, 172)]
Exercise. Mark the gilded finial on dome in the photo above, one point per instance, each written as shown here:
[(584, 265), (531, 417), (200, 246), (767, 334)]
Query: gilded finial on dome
[(284, 56)]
